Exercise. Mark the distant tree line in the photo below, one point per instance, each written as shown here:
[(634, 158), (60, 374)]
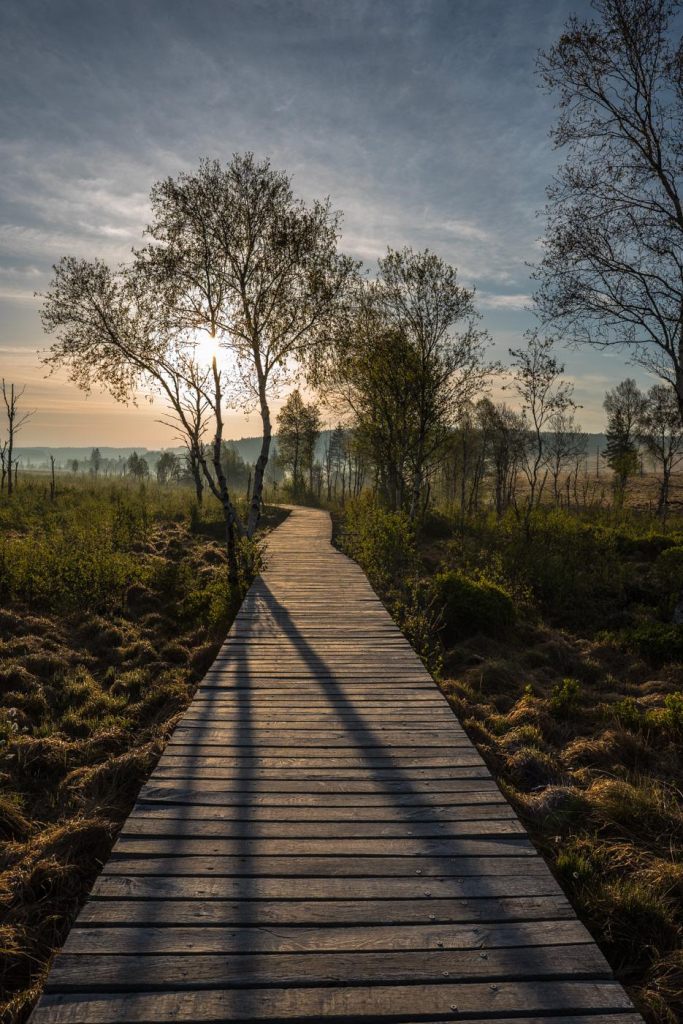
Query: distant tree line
[(239, 289)]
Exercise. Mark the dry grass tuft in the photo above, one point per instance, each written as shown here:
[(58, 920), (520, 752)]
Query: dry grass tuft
[(597, 780)]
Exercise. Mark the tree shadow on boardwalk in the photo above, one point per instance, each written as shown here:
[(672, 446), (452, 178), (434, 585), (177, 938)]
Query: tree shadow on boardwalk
[(240, 684)]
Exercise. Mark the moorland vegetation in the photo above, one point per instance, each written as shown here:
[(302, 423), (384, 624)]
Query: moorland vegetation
[(114, 599), (545, 597)]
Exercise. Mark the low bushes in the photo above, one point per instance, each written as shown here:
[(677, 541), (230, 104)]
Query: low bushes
[(660, 643), (384, 543), (471, 606)]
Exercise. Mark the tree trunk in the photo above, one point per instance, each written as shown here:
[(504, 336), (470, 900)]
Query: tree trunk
[(228, 514), (295, 467), (399, 486), (417, 482), (663, 493), (195, 469), (220, 488), (417, 488), (10, 450), (260, 468), (678, 384)]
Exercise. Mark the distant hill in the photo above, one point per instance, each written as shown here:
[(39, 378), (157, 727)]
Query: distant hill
[(248, 448), (40, 457)]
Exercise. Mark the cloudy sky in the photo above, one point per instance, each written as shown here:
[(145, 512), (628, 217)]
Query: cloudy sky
[(421, 119)]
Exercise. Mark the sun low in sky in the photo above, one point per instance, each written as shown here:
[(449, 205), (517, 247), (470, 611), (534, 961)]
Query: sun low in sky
[(422, 121)]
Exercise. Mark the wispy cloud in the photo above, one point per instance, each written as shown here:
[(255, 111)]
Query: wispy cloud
[(17, 295), (487, 300), (421, 120)]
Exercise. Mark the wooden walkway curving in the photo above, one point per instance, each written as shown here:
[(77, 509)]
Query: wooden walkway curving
[(321, 841)]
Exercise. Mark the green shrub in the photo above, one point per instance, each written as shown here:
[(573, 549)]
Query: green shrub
[(658, 642), (627, 713), (671, 716), (472, 606), (648, 546), (565, 698), (384, 543), (574, 569), (668, 719), (667, 576), (381, 541)]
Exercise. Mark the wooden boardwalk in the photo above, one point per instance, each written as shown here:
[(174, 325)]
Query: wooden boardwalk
[(321, 841)]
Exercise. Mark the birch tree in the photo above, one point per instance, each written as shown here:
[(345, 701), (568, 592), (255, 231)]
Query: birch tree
[(612, 270), (625, 408), (538, 382), (421, 298), (297, 437), (108, 333), (16, 418), (566, 447), (240, 257), (662, 437), (405, 359)]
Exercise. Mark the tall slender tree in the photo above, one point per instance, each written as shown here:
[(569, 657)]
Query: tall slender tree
[(239, 256), (15, 421), (566, 447), (625, 407), (298, 433), (612, 271), (661, 432), (111, 330), (539, 383), (406, 357)]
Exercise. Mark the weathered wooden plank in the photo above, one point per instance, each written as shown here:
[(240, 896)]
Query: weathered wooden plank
[(182, 828), (506, 846), (366, 755), (248, 736), (339, 684), (350, 1003), (255, 785), (159, 972), (368, 763), (256, 913), (338, 787), (272, 702), (200, 792), (245, 939), (330, 721), (302, 866), (539, 883), (331, 814), (178, 767)]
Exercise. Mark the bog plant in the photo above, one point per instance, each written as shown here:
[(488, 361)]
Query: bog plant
[(666, 719), (565, 698), (384, 543), (472, 606)]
